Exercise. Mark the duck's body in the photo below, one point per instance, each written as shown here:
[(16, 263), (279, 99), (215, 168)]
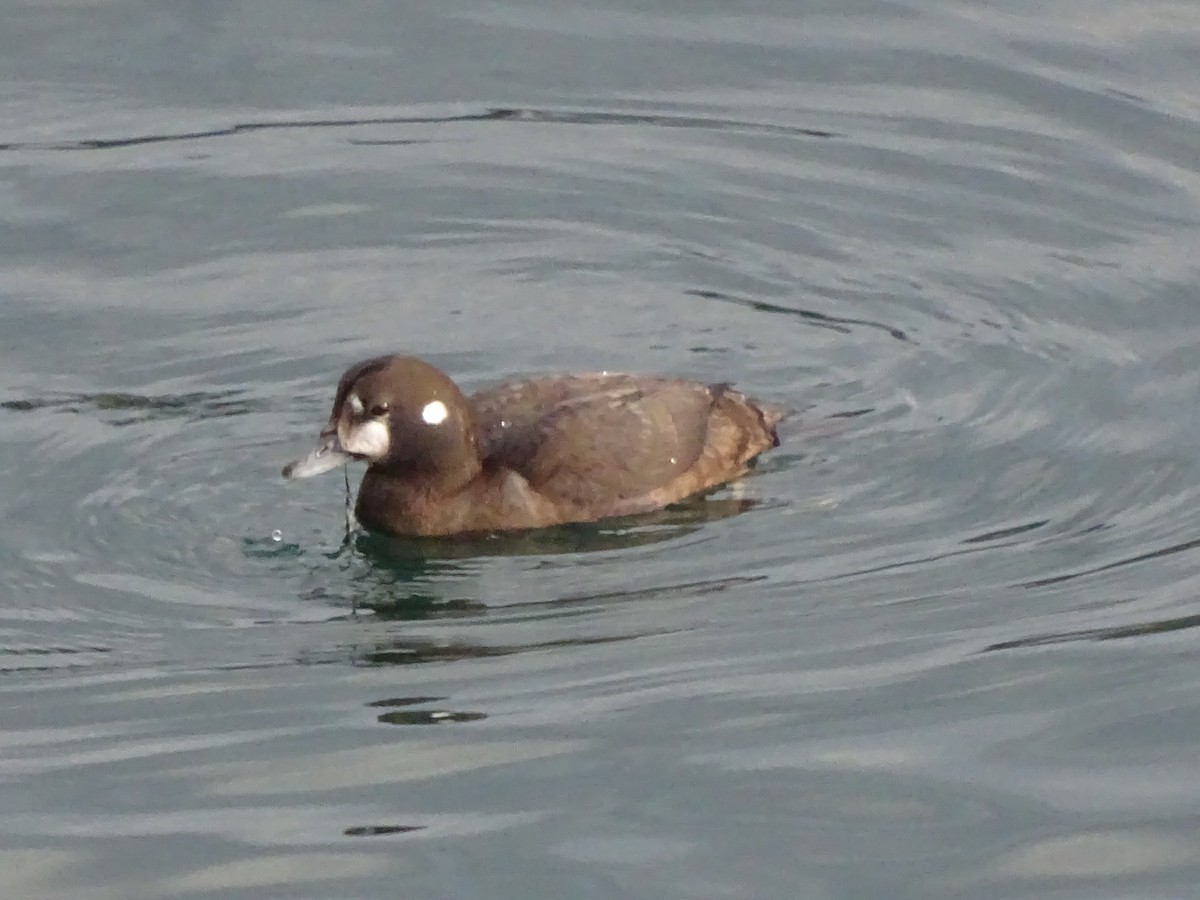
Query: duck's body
[(529, 454)]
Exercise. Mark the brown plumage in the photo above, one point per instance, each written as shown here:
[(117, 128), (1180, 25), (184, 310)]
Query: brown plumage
[(528, 454)]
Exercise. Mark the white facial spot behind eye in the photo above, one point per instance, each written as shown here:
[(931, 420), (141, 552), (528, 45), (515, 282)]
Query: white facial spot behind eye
[(434, 412), (356, 403)]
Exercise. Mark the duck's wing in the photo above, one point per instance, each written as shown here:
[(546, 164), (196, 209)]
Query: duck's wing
[(511, 416), (618, 444)]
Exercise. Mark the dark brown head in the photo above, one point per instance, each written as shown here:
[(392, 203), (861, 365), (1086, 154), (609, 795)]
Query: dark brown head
[(398, 414)]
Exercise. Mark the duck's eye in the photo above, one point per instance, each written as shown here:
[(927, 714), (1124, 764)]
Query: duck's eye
[(380, 409)]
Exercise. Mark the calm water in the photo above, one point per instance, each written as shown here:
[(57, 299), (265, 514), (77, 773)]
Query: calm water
[(950, 652)]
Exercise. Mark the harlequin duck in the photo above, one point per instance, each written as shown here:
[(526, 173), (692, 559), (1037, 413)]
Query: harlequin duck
[(528, 454)]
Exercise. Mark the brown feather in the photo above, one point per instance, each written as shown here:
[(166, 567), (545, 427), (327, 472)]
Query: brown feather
[(549, 450)]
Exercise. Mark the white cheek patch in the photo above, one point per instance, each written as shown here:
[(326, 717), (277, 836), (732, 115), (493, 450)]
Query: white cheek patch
[(434, 412), (356, 404), (370, 439)]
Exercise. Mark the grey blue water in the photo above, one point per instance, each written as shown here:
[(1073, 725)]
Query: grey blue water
[(940, 644)]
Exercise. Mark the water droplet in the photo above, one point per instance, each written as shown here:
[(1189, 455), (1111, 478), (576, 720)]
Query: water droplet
[(277, 535)]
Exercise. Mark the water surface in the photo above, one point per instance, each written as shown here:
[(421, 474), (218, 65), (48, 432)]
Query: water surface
[(944, 652)]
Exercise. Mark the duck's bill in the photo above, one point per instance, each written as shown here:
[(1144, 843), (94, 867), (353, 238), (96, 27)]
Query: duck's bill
[(325, 456)]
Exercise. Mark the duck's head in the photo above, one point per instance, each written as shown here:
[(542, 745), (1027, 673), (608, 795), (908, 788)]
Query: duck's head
[(395, 412)]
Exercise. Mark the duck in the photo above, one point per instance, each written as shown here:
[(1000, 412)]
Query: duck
[(531, 453)]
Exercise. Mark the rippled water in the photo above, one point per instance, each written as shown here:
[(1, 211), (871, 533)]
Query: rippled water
[(946, 649)]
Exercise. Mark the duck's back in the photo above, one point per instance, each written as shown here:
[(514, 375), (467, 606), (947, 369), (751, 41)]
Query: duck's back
[(615, 444)]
